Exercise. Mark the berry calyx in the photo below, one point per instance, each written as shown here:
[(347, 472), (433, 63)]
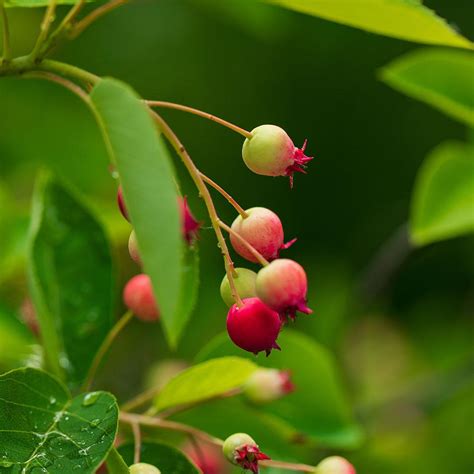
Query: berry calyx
[(244, 280), (138, 297), (133, 248), (266, 385), (190, 226), (335, 465), (241, 449), (121, 203), (254, 326), (282, 285), (143, 468), (263, 230), (271, 152)]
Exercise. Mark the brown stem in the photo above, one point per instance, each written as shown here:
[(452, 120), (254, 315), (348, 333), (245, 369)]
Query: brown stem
[(205, 195), (224, 193), (261, 259), (200, 113), (137, 438), (288, 465)]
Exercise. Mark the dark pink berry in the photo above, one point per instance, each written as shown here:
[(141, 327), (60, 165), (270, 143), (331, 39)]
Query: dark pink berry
[(263, 230), (138, 297), (271, 152), (121, 203), (241, 449), (282, 285), (335, 465), (253, 327), (190, 224)]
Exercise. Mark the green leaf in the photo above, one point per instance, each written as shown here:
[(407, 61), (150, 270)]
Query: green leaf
[(149, 190), (318, 407), (441, 78), (167, 459), (70, 270), (44, 430), (38, 3), (204, 381), (443, 198), (404, 19), (116, 464)]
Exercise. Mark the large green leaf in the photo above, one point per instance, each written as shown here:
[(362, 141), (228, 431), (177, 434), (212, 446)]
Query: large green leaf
[(404, 19), (319, 406), (71, 276), (149, 190), (443, 198), (167, 458), (441, 78), (204, 381), (44, 430)]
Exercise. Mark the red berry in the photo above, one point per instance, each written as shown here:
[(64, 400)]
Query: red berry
[(138, 297), (283, 286), (207, 457), (253, 327), (271, 152), (262, 229), (190, 224), (121, 203), (335, 465), (241, 449)]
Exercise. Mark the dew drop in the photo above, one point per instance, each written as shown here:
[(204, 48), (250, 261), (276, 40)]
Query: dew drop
[(90, 398)]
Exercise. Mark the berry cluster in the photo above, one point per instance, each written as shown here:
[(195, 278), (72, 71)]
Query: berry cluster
[(260, 303)]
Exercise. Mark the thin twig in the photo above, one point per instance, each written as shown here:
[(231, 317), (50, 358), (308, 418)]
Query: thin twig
[(224, 193), (7, 53), (106, 343), (200, 113), (137, 438), (204, 193), (48, 19), (287, 465), (141, 399), (95, 15), (260, 258)]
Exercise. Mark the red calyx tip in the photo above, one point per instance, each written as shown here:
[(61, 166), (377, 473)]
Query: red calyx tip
[(287, 385), (248, 456), (299, 162)]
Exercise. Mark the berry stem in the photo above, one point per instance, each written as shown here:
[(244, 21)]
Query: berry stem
[(48, 19), (107, 342), (140, 399), (137, 438), (261, 259), (200, 113), (6, 34), (287, 465), (224, 193), (205, 195)]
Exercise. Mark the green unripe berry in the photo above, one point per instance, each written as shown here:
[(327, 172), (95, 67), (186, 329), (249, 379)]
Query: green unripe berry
[(133, 248), (269, 151), (235, 442), (244, 283), (266, 385), (144, 468)]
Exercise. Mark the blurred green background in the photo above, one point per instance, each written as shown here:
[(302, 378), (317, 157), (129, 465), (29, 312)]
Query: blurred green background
[(406, 350)]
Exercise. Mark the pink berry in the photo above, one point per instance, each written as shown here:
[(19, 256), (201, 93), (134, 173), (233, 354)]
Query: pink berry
[(266, 385), (190, 224), (121, 203), (253, 327), (271, 152), (208, 458), (335, 465), (138, 297), (241, 449), (282, 285), (262, 229)]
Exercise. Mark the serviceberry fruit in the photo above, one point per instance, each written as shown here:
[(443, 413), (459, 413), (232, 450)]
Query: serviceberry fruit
[(271, 152), (266, 385), (263, 230), (241, 449), (207, 457), (133, 248), (190, 224), (138, 297), (335, 465), (121, 203), (144, 468), (244, 280), (254, 327), (282, 285)]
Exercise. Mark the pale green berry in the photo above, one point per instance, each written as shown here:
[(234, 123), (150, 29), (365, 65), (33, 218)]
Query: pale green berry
[(244, 280), (133, 248), (266, 385), (144, 468)]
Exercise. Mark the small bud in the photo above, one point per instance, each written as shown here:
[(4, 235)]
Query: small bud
[(335, 465), (133, 248), (138, 297), (189, 223), (266, 385), (241, 449), (283, 286), (144, 468), (121, 203), (244, 281), (253, 327), (271, 152), (262, 229)]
